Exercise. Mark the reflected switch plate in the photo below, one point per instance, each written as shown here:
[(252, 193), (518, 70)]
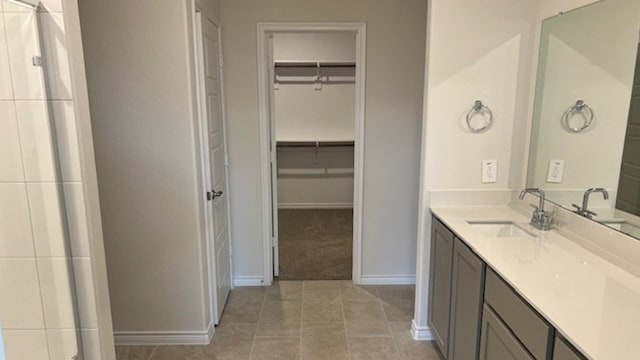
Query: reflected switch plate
[(554, 174)]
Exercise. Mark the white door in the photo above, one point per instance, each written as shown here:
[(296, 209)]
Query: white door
[(215, 154)]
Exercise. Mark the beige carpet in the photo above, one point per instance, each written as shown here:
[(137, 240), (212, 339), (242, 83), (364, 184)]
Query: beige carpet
[(315, 244)]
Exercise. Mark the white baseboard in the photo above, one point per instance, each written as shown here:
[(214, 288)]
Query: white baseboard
[(248, 281), (164, 337), (387, 280), (315, 206), (421, 333)]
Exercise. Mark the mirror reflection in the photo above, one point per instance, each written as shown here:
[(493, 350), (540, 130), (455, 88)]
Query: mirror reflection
[(585, 147)]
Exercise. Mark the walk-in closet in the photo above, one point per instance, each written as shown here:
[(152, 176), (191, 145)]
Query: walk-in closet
[(313, 119)]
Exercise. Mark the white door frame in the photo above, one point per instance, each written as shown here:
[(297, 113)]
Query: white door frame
[(263, 30), (204, 158)]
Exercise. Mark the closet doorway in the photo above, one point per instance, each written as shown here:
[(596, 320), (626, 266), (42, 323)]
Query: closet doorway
[(312, 117)]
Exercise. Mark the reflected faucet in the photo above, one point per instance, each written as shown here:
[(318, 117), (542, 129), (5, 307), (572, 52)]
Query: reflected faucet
[(584, 210), (541, 219)]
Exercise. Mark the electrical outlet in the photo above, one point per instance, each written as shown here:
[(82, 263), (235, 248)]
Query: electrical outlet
[(554, 174), (489, 171)]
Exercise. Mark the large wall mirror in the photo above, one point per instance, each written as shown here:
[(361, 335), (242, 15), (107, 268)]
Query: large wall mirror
[(585, 147)]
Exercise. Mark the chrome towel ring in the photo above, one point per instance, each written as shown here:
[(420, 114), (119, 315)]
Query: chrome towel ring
[(579, 108), (479, 109)]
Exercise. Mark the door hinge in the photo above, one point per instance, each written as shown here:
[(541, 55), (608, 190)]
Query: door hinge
[(37, 61)]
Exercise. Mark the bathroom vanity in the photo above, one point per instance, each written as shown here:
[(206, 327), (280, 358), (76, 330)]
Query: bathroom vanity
[(501, 289), (567, 287)]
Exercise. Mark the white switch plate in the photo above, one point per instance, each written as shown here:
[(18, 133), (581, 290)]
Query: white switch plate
[(554, 174), (489, 171)]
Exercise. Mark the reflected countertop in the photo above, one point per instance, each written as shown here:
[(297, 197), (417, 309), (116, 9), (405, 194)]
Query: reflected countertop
[(593, 302)]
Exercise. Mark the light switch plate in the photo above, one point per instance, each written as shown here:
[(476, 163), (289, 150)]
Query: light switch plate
[(554, 174), (489, 171)]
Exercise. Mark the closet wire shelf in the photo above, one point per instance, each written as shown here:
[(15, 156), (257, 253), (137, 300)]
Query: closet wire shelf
[(315, 144), (314, 72), (315, 171)]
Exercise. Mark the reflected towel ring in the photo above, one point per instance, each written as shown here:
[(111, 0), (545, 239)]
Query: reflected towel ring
[(579, 108), (480, 109)]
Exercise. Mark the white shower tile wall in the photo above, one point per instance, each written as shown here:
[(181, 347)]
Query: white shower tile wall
[(37, 196)]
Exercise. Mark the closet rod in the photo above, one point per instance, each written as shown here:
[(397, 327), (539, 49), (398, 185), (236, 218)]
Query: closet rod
[(314, 64), (297, 82), (315, 143)]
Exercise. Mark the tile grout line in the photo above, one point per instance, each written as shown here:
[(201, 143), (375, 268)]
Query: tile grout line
[(301, 319), (255, 334), (152, 352), (386, 320), (344, 320)]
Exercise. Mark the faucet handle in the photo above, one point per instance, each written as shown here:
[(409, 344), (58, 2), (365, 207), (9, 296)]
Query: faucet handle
[(584, 212)]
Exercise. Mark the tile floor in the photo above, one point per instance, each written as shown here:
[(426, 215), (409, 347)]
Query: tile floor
[(324, 320)]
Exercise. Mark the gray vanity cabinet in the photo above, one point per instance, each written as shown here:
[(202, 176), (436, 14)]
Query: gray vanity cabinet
[(442, 240), (475, 314), (457, 287), (497, 342), (531, 330), (467, 292), (564, 351)]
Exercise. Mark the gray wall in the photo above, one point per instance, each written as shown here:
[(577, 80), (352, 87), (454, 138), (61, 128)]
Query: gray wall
[(394, 80), (141, 83)]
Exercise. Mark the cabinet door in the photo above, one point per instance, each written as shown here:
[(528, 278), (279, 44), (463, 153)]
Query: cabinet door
[(564, 351), (497, 342), (440, 283), (533, 332), (467, 288)]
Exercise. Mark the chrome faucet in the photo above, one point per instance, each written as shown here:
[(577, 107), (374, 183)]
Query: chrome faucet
[(541, 219), (584, 210)]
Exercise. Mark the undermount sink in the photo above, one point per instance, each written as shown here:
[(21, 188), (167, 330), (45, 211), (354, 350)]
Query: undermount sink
[(500, 229)]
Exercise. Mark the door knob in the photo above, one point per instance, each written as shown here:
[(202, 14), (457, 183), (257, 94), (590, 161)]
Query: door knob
[(212, 195)]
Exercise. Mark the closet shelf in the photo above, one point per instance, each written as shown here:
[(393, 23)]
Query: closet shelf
[(314, 72), (316, 172), (315, 144), (314, 64)]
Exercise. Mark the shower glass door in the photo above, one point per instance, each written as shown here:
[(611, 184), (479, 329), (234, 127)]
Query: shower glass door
[(38, 312)]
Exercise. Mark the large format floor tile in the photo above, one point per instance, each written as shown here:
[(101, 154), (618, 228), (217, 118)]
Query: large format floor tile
[(134, 352), (324, 341), (307, 320)]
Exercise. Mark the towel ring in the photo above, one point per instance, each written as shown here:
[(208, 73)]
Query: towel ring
[(480, 109), (579, 108)]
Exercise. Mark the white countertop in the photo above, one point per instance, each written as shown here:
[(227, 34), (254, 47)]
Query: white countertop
[(592, 302)]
